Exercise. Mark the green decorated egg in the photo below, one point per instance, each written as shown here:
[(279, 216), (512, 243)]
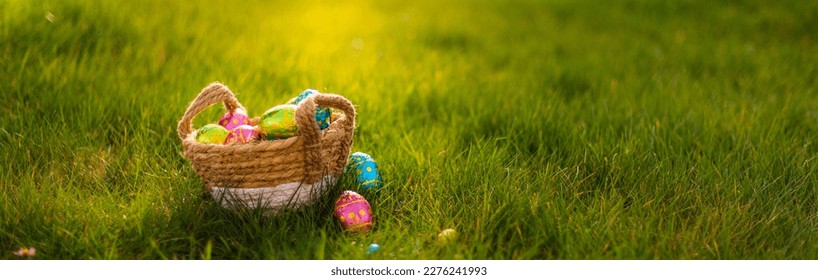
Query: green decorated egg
[(322, 115), (278, 122), (212, 134)]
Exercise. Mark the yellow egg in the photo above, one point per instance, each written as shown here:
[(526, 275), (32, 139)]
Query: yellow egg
[(447, 235)]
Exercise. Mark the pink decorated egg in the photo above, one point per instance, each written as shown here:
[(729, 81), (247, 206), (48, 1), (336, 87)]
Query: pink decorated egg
[(353, 212), (231, 120), (242, 134)]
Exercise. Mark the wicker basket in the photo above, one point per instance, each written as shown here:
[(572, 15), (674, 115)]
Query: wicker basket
[(273, 175)]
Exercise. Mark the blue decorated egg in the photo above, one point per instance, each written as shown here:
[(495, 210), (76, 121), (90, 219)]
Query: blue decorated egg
[(366, 170), (322, 115)]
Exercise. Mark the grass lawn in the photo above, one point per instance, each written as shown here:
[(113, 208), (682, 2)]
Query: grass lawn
[(537, 129)]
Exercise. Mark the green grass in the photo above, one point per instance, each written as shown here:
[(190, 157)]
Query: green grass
[(538, 129)]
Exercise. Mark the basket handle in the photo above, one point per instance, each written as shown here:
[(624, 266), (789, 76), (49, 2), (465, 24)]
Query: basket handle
[(308, 127), (212, 94)]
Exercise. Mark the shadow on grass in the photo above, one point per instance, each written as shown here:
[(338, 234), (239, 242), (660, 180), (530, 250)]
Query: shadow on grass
[(214, 232)]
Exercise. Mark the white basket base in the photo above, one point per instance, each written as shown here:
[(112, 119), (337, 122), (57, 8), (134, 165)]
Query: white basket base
[(273, 199)]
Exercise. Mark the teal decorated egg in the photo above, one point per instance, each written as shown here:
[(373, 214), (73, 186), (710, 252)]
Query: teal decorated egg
[(322, 115), (212, 134), (366, 171), (278, 122)]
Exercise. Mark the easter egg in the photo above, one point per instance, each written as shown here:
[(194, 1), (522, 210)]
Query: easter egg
[(278, 122), (353, 212), (374, 247), (366, 170), (322, 115), (212, 134), (447, 235), (242, 134), (231, 120)]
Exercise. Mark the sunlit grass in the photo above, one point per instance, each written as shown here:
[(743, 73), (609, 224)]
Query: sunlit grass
[(536, 129)]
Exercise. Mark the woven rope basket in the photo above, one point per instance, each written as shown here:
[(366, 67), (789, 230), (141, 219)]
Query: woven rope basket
[(273, 175)]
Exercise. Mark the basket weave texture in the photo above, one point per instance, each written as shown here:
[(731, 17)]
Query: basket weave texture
[(271, 174)]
